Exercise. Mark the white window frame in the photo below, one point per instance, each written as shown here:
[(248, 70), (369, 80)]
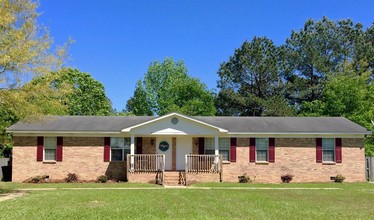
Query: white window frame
[(50, 143), (267, 149), (120, 143), (324, 142)]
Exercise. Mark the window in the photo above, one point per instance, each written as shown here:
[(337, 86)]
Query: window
[(50, 145), (209, 146), (223, 147), (328, 149), (119, 148), (262, 149)]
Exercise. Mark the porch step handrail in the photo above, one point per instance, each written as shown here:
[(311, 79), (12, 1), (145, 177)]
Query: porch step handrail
[(203, 163)]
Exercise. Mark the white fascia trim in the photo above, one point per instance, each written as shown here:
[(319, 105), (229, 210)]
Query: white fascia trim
[(174, 114), (67, 133), (295, 134)]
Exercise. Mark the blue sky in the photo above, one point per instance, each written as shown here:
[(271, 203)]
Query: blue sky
[(115, 41)]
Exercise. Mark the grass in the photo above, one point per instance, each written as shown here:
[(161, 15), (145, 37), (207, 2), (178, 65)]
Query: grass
[(352, 201), (12, 186)]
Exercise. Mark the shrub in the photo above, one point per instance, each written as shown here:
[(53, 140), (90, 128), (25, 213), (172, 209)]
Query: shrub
[(38, 179), (102, 179), (245, 179), (71, 178), (286, 178), (339, 178)]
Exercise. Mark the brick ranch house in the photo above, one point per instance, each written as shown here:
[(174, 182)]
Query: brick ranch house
[(175, 149)]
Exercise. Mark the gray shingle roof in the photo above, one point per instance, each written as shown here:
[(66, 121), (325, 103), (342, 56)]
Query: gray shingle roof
[(80, 123), (232, 124), (285, 124)]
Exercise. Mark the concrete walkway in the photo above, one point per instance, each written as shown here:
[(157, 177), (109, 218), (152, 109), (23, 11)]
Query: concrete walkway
[(13, 195)]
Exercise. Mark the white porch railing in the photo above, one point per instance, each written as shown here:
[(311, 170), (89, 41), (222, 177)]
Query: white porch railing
[(146, 163), (203, 163)]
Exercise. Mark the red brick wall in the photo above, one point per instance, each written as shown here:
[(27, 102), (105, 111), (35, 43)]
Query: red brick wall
[(81, 155), (84, 156), (297, 156)]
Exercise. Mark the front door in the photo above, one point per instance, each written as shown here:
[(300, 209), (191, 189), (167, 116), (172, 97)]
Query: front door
[(164, 146), (184, 146)]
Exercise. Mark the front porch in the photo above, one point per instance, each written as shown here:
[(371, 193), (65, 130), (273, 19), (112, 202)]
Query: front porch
[(175, 143), (151, 168)]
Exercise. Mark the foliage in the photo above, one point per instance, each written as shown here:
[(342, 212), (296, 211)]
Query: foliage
[(287, 178), (71, 178), (102, 179), (339, 178), (37, 179), (7, 118), (86, 96), (369, 146), (245, 179), (166, 88), (25, 51), (25, 44), (250, 82), (318, 50)]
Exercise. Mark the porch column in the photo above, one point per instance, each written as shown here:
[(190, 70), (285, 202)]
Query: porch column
[(132, 152), (216, 148)]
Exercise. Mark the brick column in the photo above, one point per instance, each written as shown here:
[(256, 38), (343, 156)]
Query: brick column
[(174, 153)]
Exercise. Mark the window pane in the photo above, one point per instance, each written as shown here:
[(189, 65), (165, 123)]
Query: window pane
[(224, 143), (262, 143), (209, 143), (328, 155), (224, 154), (116, 155), (127, 143), (49, 154), (262, 155), (209, 152), (50, 142), (126, 151), (328, 144), (116, 142)]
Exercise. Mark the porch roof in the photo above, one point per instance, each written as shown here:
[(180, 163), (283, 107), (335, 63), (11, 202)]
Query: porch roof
[(234, 125)]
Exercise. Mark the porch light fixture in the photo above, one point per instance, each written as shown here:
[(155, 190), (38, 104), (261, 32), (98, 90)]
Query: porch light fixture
[(196, 142), (152, 142)]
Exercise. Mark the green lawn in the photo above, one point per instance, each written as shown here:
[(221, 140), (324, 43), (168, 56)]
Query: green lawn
[(350, 201)]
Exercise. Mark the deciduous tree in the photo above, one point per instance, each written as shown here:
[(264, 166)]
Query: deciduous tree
[(166, 88)]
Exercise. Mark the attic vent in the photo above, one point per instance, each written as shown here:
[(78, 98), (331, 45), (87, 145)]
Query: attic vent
[(174, 121)]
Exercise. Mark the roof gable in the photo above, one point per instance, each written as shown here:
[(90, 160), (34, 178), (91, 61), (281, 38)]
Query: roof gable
[(174, 124)]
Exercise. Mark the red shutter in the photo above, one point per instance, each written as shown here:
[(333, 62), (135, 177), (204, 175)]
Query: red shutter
[(338, 150), (106, 149), (252, 150), (233, 150), (139, 145), (271, 150), (201, 146), (39, 149), (319, 150), (59, 149)]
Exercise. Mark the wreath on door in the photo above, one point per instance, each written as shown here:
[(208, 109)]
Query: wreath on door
[(163, 146)]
